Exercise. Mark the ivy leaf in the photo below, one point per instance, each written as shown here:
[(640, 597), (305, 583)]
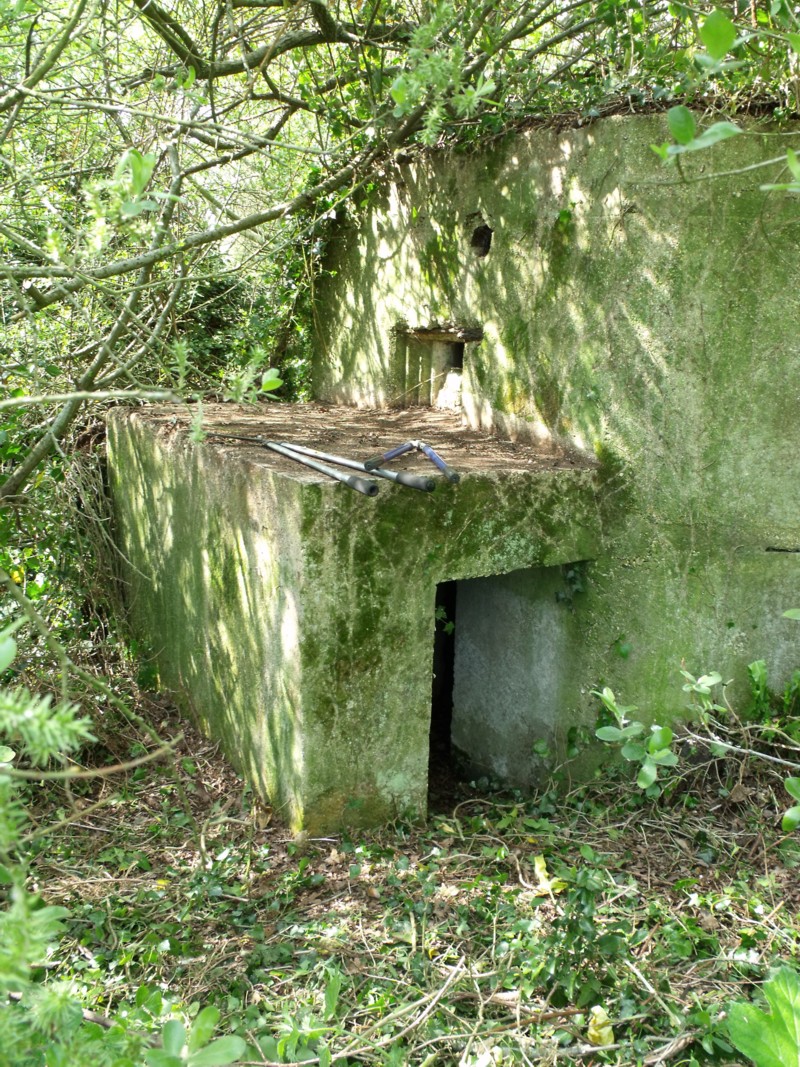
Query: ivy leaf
[(791, 819), (794, 41), (793, 787), (770, 1039), (718, 34)]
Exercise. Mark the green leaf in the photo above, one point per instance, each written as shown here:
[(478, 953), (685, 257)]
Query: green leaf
[(792, 613), (791, 819), (793, 163), (173, 1037), (332, 990), (8, 650), (660, 738), (219, 1053), (681, 124), (647, 775), (6, 754), (609, 733), (202, 1028), (633, 729), (793, 787), (665, 757), (720, 131), (157, 1057), (770, 1039), (714, 678), (633, 751), (717, 34), (794, 41)]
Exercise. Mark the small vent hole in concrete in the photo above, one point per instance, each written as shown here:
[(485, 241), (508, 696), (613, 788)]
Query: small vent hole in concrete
[(481, 240)]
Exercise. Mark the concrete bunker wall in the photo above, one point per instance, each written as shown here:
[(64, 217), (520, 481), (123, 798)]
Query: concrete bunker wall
[(295, 618), (647, 320)]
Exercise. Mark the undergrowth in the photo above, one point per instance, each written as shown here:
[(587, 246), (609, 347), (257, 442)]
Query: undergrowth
[(507, 930)]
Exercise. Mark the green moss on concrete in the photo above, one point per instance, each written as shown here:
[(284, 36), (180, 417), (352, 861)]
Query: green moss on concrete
[(649, 321), (296, 618)]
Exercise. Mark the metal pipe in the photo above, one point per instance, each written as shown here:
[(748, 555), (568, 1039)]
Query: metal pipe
[(413, 481), (361, 485), (447, 471), (373, 462)]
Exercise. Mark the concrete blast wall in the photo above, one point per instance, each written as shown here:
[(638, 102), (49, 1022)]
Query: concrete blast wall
[(590, 295)]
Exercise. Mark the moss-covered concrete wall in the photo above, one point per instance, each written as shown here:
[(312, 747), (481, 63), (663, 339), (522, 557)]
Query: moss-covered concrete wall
[(648, 316), (294, 618)]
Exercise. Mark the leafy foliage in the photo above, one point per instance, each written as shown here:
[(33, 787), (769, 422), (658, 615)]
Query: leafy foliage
[(770, 1039)]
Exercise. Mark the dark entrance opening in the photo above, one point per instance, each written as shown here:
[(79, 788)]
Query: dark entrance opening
[(444, 653)]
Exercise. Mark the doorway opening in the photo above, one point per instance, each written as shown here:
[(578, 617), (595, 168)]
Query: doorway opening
[(440, 769), (506, 656)]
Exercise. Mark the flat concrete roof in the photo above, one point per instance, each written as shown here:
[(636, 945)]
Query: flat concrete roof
[(359, 433)]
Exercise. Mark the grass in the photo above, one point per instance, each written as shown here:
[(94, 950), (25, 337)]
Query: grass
[(485, 937)]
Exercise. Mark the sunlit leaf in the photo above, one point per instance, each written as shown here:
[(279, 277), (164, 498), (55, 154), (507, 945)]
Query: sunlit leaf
[(717, 34), (8, 650), (770, 1039), (720, 131), (546, 884)]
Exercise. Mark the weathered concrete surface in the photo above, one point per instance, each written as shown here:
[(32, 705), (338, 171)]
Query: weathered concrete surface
[(517, 666), (650, 321), (295, 618)]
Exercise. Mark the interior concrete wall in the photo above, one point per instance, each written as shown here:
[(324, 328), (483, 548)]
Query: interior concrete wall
[(517, 670), (645, 315)]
